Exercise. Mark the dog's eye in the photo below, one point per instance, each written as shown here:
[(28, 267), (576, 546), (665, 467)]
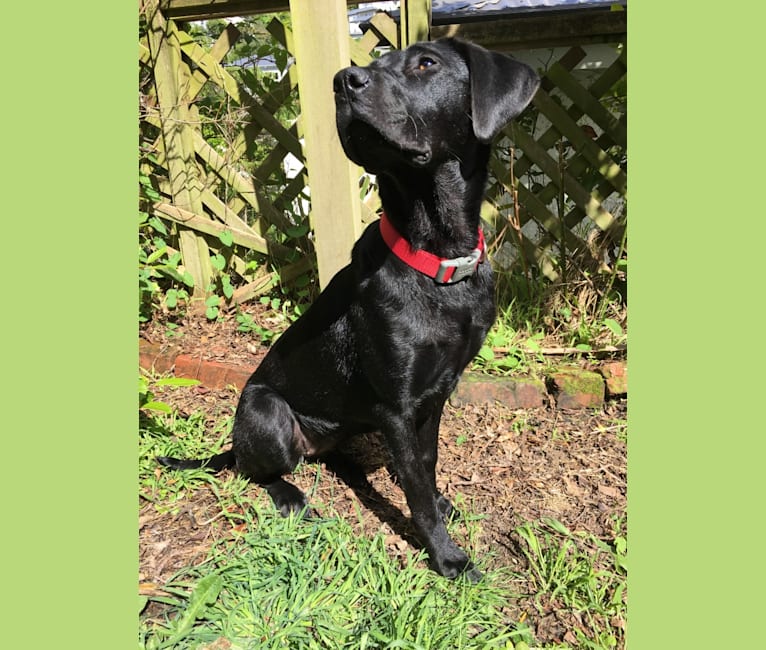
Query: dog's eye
[(425, 62)]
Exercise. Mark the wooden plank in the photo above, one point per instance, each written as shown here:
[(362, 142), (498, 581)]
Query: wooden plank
[(386, 28), (220, 48), (569, 128), (611, 75), (171, 81), (589, 104), (546, 29), (272, 99), (335, 205), (415, 21), (533, 254), (568, 61), (208, 226), (144, 56), (592, 207), (211, 70), (243, 185), (234, 221), (220, 165), (359, 52), (291, 191), (205, 9), (253, 289), (537, 208), (275, 128)]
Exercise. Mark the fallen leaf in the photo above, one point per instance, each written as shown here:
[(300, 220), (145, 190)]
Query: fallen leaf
[(609, 491)]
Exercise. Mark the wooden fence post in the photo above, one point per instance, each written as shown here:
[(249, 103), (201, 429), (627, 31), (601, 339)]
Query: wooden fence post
[(171, 81), (415, 23), (321, 44)]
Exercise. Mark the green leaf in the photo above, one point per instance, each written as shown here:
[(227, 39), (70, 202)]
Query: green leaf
[(532, 345), (509, 361), (205, 593), (213, 301), (556, 525), (157, 406), (152, 194), (174, 259), (218, 261), (211, 313), (226, 287), (156, 223), (614, 326), (156, 255), (171, 298), (487, 353), (177, 381), (297, 231), (226, 238), (170, 272)]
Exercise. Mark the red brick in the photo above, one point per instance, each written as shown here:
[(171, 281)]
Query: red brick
[(575, 388), (212, 374), (188, 366), (156, 357), (615, 374), (515, 392), (238, 376)]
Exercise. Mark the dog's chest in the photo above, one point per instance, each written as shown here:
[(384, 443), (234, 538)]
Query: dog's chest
[(432, 337)]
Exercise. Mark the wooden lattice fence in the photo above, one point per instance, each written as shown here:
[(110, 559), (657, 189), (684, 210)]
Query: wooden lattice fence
[(209, 192), (562, 189), (557, 175)]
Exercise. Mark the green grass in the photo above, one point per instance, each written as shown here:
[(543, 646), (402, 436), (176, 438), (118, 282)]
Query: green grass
[(289, 583), (580, 573)]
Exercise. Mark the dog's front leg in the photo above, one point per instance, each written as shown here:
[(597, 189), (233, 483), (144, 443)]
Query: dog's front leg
[(423, 499), (428, 439)]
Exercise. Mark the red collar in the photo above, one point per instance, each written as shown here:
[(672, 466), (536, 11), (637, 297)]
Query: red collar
[(443, 270)]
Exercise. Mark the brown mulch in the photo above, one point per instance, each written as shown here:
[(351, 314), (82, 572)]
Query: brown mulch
[(510, 466)]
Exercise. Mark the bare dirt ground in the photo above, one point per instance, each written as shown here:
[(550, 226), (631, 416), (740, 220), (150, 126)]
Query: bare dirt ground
[(511, 466)]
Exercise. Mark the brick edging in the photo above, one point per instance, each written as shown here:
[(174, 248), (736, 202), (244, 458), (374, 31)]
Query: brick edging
[(566, 387)]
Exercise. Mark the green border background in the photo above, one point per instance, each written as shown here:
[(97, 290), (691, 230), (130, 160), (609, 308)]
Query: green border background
[(695, 487), (696, 235), (69, 308)]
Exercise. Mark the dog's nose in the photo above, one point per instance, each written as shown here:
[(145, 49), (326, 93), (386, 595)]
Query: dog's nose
[(351, 80)]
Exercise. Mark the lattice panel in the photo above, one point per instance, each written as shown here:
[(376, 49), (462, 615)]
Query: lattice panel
[(256, 204), (566, 174), (228, 197)]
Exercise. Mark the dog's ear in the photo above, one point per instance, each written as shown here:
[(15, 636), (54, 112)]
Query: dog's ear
[(501, 87)]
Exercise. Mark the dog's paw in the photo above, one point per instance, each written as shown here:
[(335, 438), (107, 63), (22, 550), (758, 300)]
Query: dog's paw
[(455, 564), (288, 499), (472, 574)]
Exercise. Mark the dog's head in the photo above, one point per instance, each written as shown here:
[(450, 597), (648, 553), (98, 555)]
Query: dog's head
[(420, 106)]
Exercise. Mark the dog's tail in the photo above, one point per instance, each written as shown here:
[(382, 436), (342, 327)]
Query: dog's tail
[(215, 463)]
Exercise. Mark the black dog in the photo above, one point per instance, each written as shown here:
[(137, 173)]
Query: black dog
[(383, 346)]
